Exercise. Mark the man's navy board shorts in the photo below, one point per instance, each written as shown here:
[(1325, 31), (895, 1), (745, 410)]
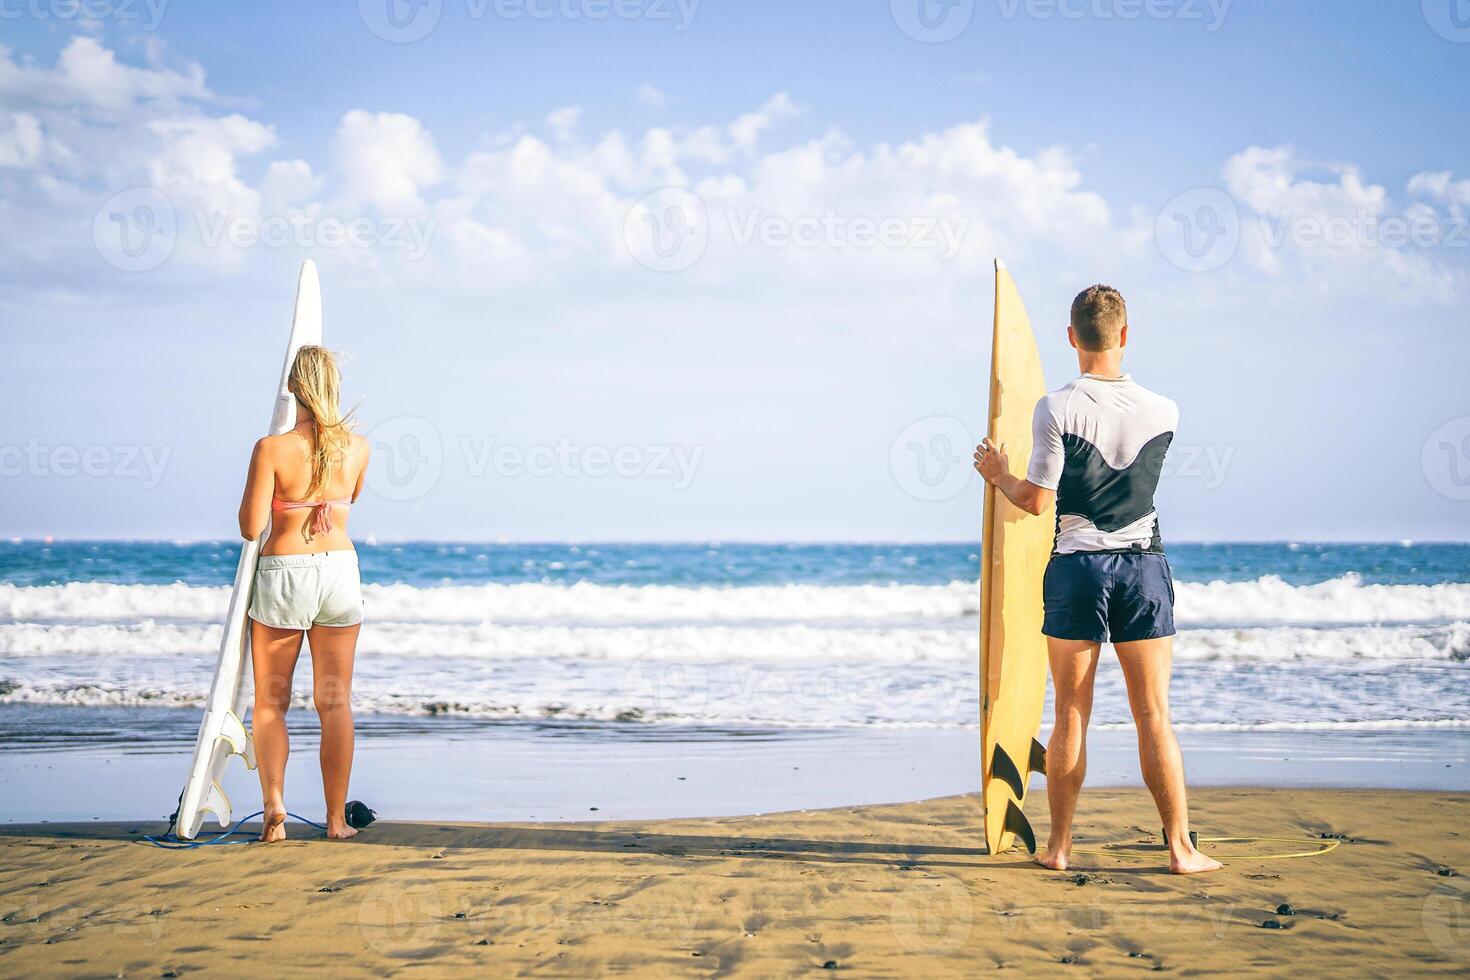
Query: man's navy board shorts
[(1108, 597)]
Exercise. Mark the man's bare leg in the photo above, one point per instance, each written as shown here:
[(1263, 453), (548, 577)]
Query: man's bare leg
[(1146, 668), (1073, 668)]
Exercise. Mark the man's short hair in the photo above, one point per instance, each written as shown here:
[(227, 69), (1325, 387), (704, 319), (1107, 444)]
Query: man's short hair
[(1098, 318)]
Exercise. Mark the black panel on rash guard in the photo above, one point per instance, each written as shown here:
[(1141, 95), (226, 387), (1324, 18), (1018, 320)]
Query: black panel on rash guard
[(1100, 443), (1110, 498)]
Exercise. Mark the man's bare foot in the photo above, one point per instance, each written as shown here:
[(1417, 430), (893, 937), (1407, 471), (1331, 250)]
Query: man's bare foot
[(275, 825), (1057, 854), (340, 830), (1192, 862), (1056, 860)]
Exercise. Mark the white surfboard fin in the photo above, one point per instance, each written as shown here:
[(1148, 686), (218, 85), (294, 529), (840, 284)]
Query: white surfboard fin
[(240, 741), (217, 803)]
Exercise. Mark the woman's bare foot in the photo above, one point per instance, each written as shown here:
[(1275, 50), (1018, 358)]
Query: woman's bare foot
[(340, 830), (275, 825), (1056, 856), (1192, 862)]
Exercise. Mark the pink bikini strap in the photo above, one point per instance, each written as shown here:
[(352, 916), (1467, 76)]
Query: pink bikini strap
[(321, 517)]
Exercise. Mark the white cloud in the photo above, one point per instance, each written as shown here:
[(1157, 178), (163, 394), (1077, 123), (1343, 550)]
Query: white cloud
[(542, 210), (385, 159), (288, 185), (746, 130), (21, 146), (563, 122), (1441, 186), (1330, 229), (89, 76), (647, 95)]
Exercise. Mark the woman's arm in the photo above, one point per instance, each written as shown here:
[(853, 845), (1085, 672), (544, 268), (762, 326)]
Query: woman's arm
[(362, 470), (260, 483)]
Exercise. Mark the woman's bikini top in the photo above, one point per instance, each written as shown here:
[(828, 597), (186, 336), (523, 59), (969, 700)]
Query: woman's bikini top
[(321, 511)]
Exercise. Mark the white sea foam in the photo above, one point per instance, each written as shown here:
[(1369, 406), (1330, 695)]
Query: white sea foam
[(1264, 602), (1335, 725), (719, 643), (799, 656)]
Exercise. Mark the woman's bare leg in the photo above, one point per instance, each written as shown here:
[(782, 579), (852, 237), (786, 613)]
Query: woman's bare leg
[(332, 652), (1146, 667), (1073, 669), (273, 654)]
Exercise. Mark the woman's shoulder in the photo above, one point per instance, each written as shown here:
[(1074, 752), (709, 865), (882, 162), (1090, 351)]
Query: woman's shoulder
[(276, 443)]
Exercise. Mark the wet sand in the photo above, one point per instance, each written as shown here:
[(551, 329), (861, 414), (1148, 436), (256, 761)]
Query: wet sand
[(893, 890)]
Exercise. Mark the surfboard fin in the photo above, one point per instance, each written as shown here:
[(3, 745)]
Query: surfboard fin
[(240, 742), (217, 803), (1038, 757), (1017, 824), (1002, 768)]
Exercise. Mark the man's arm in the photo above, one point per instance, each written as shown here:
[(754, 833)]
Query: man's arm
[(992, 463)]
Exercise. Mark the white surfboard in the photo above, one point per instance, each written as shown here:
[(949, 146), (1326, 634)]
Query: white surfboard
[(223, 733)]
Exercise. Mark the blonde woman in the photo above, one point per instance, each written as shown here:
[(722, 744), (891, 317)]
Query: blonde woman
[(301, 484)]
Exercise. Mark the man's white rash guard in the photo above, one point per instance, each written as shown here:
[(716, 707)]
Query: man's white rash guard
[(1100, 444)]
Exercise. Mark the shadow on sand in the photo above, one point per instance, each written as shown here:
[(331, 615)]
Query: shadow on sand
[(444, 837)]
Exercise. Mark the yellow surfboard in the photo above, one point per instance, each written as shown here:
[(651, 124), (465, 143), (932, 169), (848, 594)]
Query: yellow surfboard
[(1015, 547)]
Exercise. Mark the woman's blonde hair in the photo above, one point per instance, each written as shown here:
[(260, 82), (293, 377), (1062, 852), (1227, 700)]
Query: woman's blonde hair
[(316, 383)]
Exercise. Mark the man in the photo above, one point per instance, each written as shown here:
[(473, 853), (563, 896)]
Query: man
[(1098, 448)]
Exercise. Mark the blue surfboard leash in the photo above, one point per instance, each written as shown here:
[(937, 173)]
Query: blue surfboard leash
[(173, 842)]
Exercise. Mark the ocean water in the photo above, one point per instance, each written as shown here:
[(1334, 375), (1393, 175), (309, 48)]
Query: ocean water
[(724, 640)]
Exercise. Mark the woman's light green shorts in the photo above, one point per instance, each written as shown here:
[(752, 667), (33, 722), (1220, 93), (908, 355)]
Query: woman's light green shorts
[(297, 592)]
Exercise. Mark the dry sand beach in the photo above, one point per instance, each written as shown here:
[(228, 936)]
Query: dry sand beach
[(895, 890)]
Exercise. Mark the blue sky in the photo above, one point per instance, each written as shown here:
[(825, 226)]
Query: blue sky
[(531, 367)]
